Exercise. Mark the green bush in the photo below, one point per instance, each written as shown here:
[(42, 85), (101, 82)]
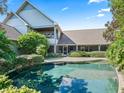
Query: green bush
[(53, 55), (5, 50), (5, 66), (87, 54), (29, 60), (29, 42), (36, 58), (78, 54), (23, 89), (41, 50), (101, 54), (4, 82), (115, 53), (20, 62), (7, 87)]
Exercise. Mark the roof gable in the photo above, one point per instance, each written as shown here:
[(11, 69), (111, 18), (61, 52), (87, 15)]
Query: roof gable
[(33, 16), (64, 39), (13, 16), (10, 32), (15, 21)]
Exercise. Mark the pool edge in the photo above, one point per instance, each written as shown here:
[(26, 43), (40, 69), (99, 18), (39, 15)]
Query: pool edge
[(120, 81)]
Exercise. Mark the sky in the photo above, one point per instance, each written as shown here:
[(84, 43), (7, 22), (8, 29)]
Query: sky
[(70, 14)]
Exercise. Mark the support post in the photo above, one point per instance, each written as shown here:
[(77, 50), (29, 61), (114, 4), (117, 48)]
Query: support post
[(55, 43), (67, 49), (99, 47), (63, 49), (76, 47)]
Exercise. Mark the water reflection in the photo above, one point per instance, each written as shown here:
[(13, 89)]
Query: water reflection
[(73, 85), (48, 84)]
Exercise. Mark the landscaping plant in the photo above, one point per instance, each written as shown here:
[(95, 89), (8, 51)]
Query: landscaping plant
[(33, 42), (115, 52), (5, 51), (7, 87)]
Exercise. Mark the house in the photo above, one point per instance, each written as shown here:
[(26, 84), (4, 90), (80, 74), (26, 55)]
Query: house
[(29, 17), (82, 40)]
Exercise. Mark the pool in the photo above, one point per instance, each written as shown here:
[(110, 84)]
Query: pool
[(69, 78)]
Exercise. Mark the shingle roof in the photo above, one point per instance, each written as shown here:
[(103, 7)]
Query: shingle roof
[(84, 37), (11, 32)]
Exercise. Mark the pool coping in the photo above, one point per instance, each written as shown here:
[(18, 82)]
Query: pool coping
[(120, 81), (73, 60)]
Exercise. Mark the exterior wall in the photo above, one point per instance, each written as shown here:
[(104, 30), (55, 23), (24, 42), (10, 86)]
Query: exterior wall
[(52, 41), (34, 17), (17, 23)]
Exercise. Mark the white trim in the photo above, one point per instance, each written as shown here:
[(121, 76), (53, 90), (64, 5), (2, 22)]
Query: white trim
[(55, 40), (26, 24), (45, 26)]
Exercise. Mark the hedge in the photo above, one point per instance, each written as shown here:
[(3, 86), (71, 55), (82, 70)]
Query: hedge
[(53, 55), (97, 54), (78, 54), (87, 54)]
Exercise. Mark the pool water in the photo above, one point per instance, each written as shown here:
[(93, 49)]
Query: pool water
[(70, 78)]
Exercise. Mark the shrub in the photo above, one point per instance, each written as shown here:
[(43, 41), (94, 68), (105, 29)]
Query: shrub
[(6, 87), (29, 42), (115, 53), (4, 82), (78, 54), (23, 89), (53, 55), (75, 54), (97, 54), (29, 59), (20, 62), (36, 58), (5, 50), (41, 50), (5, 66)]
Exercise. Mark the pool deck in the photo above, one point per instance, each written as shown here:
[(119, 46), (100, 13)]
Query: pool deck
[(73, 59), (121, 82)]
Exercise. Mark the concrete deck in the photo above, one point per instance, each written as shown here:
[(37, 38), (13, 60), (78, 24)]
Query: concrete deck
[(121, 82)]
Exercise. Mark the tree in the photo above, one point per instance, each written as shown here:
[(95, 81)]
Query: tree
[(3, 6), (5, 50), (117, 10), (115, 52), (29, 42)]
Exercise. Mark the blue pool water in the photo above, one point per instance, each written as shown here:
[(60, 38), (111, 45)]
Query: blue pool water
[(70, 78)]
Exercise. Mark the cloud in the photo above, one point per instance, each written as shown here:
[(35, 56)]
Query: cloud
[(104, 10), (95, 1), (90, 17), (65, 8), (100, 15)]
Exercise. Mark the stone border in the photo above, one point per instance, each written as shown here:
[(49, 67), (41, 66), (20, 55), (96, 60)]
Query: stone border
[(120, 81)]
